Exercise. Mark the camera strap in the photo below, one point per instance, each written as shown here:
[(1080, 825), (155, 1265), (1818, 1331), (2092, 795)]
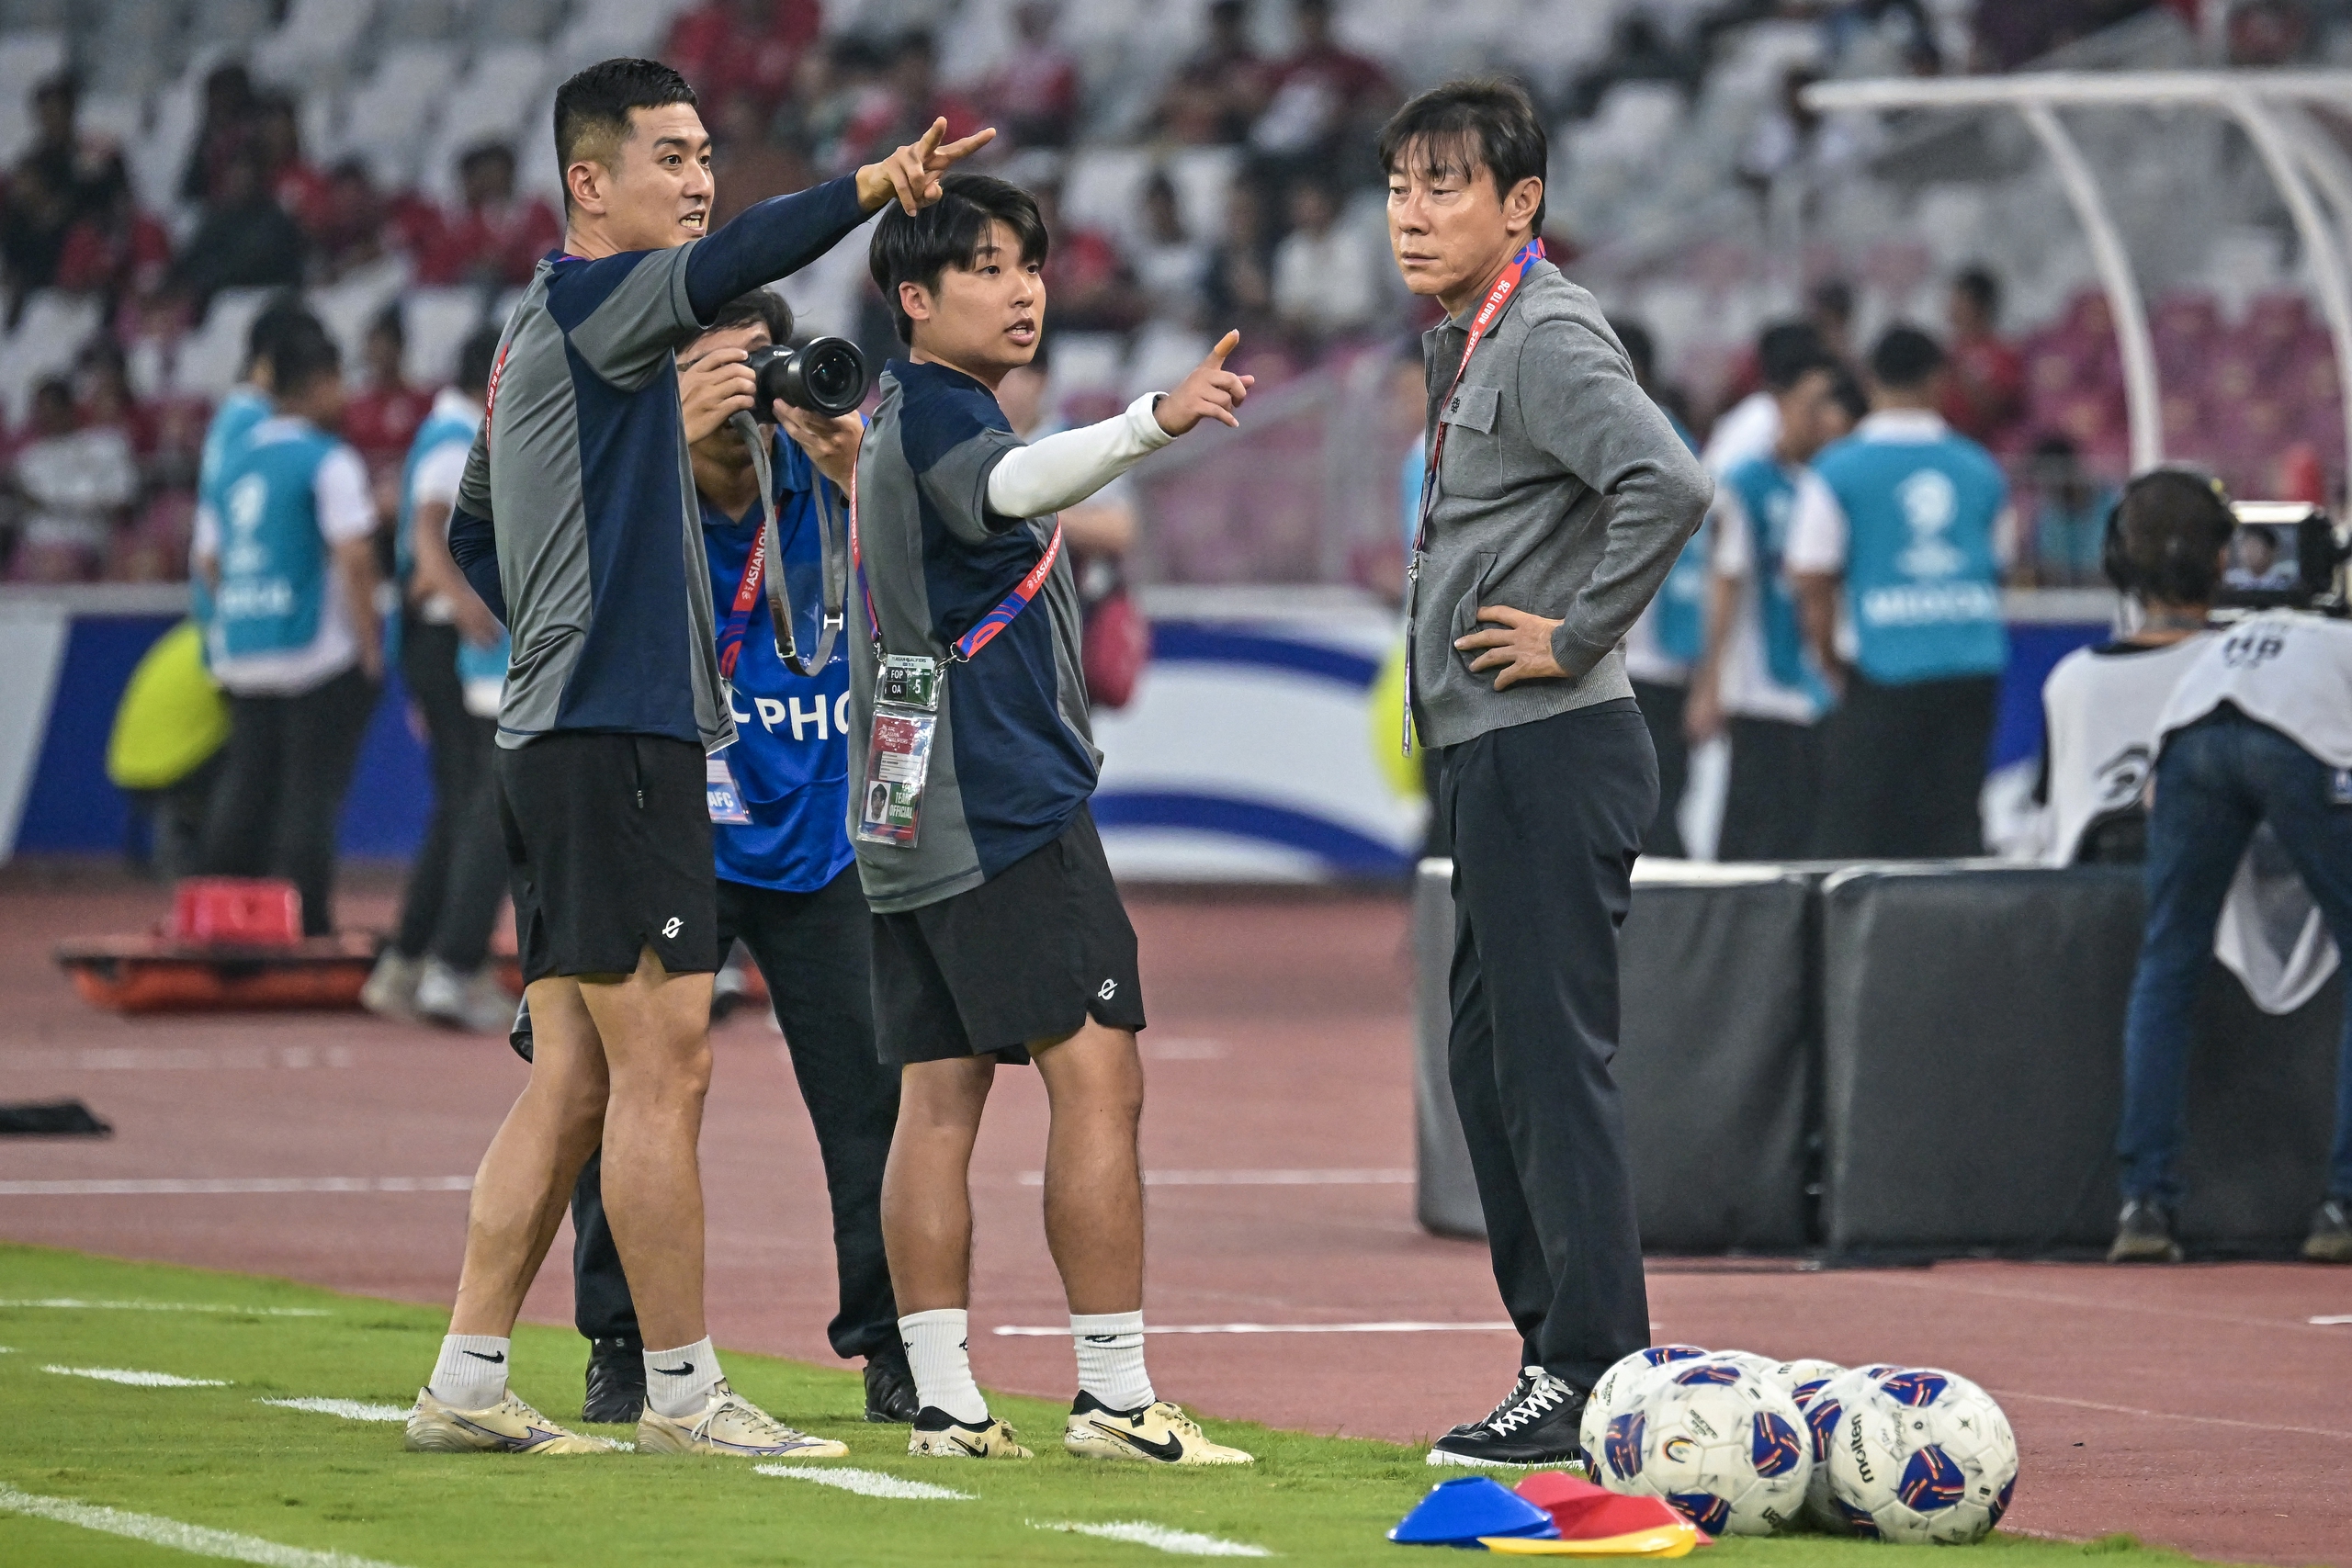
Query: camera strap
[(832, 607)]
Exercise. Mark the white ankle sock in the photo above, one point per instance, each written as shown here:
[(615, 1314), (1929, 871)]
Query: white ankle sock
[(939, 1351), (1110, 1358), (471, 1372), (678, 1382)]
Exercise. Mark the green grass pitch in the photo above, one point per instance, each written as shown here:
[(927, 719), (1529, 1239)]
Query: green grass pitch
[(218, 1458)]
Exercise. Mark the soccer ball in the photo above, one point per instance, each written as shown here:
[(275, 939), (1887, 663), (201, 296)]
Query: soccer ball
[(1802, 1378), (1923, 1456), (1760, 1365), (1724, 1447), (1822, 1408), (1621, 1385)]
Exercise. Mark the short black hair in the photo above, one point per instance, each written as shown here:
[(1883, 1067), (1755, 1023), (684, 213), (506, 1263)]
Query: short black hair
[(1905, 359), (1846, 389), (1981, 287), (1784, 350), (949, 233), (300, 358), (2165, 540), (761, 307), (1465, 126), (283, 317), (592, 109), (476, 358)]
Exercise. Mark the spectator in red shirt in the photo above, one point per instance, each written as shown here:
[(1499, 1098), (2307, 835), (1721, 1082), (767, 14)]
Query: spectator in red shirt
[(1985, 393), (297, 183), (1324, 95), (117, 251), (1219, 93), (491, 237), (909, 100), (1033, 97), (382, 421), (1086, 276), (348, 230), (729, 46)]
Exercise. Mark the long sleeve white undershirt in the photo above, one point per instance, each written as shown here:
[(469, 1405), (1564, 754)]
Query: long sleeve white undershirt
[(1065, 468)]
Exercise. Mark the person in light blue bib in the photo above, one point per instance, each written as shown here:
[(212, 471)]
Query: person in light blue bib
[(1898, 557), (293, 638), (1757, 682)]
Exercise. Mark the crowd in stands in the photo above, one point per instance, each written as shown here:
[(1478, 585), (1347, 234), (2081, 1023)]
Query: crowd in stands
[(1290, 248)]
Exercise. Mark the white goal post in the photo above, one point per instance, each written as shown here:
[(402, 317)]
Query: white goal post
[(2270, 107)]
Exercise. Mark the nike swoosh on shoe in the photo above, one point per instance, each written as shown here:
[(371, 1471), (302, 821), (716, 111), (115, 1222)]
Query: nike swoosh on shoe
[(1168, 1451)]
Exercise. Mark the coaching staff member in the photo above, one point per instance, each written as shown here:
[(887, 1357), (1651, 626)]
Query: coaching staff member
[(581, 484), (1559, 498)]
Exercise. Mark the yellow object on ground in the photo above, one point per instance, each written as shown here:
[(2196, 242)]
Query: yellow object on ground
[(1666, 1540), (172, 717)]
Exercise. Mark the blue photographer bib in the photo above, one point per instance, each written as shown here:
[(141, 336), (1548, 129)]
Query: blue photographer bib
[(1923, 589), (446, 428), (273, 554), (1767, 495)]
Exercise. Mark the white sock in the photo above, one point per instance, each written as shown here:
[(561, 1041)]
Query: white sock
[(471, 1372), (678, 1382), (939, 1351), (1110, 1358)]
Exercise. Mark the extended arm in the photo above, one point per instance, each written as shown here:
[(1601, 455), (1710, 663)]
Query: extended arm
[(1065, 468)]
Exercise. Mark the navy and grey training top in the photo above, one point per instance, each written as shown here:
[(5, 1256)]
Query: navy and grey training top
[(577, 520)]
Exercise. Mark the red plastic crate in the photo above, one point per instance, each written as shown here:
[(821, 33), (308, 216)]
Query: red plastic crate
[(260, 911)]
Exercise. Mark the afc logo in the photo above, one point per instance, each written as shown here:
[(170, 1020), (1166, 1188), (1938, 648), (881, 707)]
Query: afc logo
[(1929, 503)]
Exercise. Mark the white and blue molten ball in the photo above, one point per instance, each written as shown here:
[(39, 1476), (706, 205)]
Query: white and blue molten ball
[(1718, 1442), (1920, 1455), (1622, 1385), (1823, 1404)]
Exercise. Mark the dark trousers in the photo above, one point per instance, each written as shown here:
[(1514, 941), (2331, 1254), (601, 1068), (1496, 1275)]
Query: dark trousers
[(288, 762), (459, 871), (1548, 820), (1775, 787), (2217, 780), (1902, 767), (815, 950), (1662, 711)]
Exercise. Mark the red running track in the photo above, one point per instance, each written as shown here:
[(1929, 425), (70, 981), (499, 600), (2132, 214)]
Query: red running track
[(2198, 1407)]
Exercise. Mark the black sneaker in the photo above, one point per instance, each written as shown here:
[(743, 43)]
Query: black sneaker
[(2143, 1235), (1538, 1425), (889, 1391), (1527, 1376), (616, 1382), (2330, 1237)]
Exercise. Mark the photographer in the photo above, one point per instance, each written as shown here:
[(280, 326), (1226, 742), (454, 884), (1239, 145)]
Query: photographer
[(787, 881), (2257, 731)]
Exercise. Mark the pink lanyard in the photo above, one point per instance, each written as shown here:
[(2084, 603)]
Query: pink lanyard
[(1488, 314), (995, 621)]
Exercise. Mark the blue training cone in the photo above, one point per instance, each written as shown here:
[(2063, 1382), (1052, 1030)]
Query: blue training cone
[(1457, 1512)]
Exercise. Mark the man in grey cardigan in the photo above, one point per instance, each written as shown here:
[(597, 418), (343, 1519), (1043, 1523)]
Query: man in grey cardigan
[(1560, 498)]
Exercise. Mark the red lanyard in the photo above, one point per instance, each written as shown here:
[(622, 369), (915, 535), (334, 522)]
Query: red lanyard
[(747, 593), (995, 621), (1488, 314)]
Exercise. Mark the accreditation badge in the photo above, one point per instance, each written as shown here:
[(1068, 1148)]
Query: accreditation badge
[(898, 761), (726, 800)]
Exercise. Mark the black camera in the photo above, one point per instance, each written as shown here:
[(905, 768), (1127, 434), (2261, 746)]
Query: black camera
[(825, 375), (2284, 554)]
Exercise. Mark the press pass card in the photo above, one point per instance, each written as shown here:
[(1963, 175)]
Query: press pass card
[(726, 800), (897, 761), (908, 680)]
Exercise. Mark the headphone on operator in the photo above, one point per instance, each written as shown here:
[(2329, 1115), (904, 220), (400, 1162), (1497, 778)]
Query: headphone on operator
[(2114, 558)]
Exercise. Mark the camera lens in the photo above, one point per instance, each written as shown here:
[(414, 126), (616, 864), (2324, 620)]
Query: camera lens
[(834, 373)]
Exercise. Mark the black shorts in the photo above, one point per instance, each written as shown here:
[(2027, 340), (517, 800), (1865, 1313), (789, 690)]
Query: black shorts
[(1029, 955), (608, 849)]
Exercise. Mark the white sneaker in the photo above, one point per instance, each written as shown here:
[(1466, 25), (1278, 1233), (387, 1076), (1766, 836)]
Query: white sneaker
[(390, 990), (731, 1424), (509, 1427), (474, 1002)]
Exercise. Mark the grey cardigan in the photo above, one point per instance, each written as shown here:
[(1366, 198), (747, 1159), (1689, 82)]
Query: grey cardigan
[(1564, 490)]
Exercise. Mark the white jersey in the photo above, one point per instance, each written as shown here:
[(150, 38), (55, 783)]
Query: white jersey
[(2289, 671), (2106, 710), (2101, 707)]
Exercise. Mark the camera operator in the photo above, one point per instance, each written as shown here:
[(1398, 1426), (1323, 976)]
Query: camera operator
[(2257, 731), (788, 885)]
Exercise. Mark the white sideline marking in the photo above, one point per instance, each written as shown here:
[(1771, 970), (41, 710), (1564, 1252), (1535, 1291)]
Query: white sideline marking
[(1365, 1178), (181, 1186), (2330, 1322), (1028, 1332), (178, 1537), (2169, 1414), (1142, 1532), (134, 1378), (74, 1303), (183, 1058), (866, 1483), (349, 1409)]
